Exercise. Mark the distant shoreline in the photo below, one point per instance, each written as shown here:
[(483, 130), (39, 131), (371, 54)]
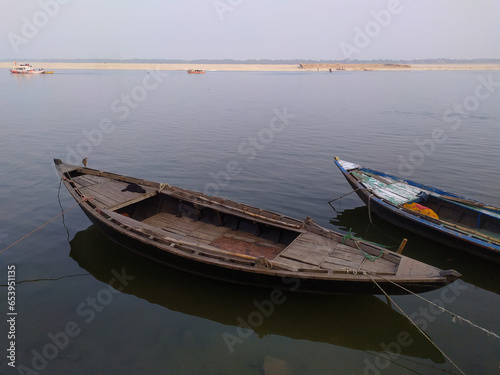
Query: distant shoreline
[(259, 67)]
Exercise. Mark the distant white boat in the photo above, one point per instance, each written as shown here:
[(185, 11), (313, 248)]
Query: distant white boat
[(25, 69)]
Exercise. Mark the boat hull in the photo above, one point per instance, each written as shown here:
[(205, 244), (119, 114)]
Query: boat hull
[(281, 282), (28, 72), (419, 225), (138, 224)]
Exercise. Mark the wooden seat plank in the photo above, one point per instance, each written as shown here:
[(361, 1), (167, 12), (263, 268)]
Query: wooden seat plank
[(98, 196), (306, 252)]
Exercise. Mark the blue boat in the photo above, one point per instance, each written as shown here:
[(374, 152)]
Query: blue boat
[(448, 218)]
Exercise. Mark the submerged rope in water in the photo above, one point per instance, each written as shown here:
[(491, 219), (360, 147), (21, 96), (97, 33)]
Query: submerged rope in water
[(412, 322)]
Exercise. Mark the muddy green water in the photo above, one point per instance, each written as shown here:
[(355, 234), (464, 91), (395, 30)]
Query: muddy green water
[(106, 311)]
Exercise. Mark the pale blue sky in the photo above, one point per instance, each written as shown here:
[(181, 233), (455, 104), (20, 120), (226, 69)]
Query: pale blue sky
[(249, 29)]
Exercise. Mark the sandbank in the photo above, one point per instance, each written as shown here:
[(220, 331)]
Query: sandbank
[(257, 67)]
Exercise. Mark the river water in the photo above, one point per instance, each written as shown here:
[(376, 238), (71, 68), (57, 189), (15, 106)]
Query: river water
[(86, 306)]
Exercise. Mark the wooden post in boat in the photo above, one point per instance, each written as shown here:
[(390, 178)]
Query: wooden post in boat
[(402, 246)]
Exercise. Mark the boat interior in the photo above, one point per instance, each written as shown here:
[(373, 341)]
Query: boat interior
[(476, 218), (224, 230), (186, 216)]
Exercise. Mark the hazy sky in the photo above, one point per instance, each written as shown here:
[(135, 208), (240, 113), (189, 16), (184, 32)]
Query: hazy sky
[(249, 29)]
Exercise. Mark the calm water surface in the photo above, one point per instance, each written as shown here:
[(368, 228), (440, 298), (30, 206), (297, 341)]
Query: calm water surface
[(106, 311)]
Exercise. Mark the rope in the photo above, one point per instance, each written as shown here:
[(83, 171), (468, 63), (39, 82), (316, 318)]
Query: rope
[(262, 262), (454, 316), (62, 209), (53, 279), (342, 196), (412, 322), (163, 186), (369, 210), (349, 236), (41, 226)]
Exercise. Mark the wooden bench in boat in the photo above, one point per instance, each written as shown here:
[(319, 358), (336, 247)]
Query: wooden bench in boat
[(223, 238), (107, 192)]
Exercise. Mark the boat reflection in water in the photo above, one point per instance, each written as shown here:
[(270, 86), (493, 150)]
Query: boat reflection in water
[(352, 321)]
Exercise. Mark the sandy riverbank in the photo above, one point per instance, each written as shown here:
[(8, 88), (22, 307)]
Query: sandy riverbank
[(258, 67)]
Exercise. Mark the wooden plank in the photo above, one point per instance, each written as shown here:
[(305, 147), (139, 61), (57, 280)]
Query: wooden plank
[(353, 258), (415, 268), (163, 220), (404, 268), (335, 267), (350, 257), (82, 181), (65, 168), (314, 238), (289, 264), (190, 229), (242, 236), (98, 191), (103, 199), (306, 252), (133, 200), (248, 211), (113, 190), (352, 264), (97, 179), (379, 266), (348, 165), (207, 233)]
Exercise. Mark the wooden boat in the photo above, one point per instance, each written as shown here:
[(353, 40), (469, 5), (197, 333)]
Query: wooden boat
[(442, 216), (195, 71), (225, 240)]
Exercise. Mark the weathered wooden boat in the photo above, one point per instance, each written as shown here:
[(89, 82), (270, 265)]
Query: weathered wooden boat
[(226, 240), (442, 216)]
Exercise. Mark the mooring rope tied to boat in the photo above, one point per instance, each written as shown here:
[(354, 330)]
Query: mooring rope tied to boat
[(349, 236), (454, 316), (369, 209), (84, 199), (48, 279), (412, 322), (342, 196)]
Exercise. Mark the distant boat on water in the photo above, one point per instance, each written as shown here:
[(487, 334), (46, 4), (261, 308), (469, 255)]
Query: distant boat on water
[(195, 71), (27, 69)]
